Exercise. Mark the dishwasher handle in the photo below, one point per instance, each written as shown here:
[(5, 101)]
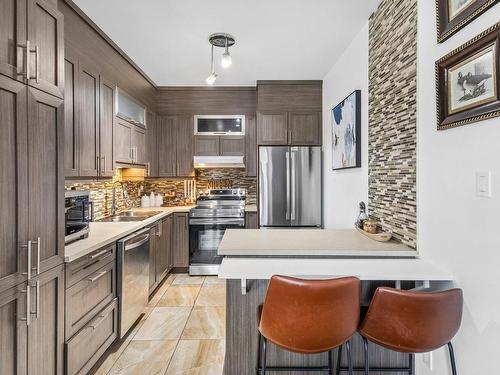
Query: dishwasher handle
[(136, 242)]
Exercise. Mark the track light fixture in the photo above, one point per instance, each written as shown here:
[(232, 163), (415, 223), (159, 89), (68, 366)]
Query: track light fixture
[(221, 40)]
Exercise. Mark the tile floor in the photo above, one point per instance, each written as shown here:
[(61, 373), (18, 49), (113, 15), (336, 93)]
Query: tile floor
[(181, 333)]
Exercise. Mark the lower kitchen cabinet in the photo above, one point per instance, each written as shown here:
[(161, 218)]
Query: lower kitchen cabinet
[(181, 240), (89, 344), (160, 256), (251, 220), (34, 343)]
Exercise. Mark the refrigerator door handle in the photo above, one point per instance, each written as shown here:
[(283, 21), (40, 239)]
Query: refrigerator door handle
[(287, 157), (293, 183)]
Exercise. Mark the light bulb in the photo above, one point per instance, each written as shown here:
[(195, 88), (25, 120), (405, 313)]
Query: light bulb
[(226, 60), (211, 79)]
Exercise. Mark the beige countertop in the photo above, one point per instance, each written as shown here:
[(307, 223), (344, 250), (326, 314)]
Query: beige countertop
[(308, 242), (104, 233)]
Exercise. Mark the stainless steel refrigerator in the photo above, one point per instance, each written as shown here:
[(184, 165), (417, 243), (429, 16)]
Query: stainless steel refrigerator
[(290, 186)]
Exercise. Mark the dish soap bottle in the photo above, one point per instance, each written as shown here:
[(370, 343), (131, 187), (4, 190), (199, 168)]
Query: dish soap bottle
[(362, 215)]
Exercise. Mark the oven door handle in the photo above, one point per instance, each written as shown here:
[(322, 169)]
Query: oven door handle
[(240, 222)]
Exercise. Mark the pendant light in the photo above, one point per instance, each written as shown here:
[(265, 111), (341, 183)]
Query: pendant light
[(221, 40), (213, 76)]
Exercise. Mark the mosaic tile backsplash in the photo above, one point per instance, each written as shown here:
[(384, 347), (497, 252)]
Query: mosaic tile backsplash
[(392, 134), (171, 188)]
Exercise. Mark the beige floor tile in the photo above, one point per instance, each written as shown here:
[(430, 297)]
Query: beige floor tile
[(147, 311), (212, 295), (145, 357), (205, 323), (197, 357), (180, 295), (161, 290), (164, 323), (109, 358), (210, 280), (185, 279)]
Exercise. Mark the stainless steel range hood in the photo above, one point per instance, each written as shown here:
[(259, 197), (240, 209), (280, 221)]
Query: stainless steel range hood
[(202, 162)]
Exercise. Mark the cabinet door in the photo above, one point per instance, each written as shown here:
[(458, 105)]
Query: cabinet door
[(46, 331), (206, 145), (13, 182), (251, 146), (139, 144), (305, 128), (70, 115), (167, 156), (45, 178), (153, 255), (181, 240), (12, 38), (106, 127), (152, 143), (272, 128), (164, 248), (123, 141), (46, 55), (184, 136), (13, 341), (232, 145), (88, 122), (251, 220)]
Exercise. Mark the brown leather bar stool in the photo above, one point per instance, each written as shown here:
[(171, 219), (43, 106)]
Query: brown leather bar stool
[(412, 322), (308, 317)]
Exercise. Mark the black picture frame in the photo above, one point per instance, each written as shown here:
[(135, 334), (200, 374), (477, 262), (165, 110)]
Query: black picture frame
[(447, 116), (357, 130), (448, 23)]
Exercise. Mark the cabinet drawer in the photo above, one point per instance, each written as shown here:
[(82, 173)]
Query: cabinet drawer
[(88, 264), (88, 345), (88, 296)]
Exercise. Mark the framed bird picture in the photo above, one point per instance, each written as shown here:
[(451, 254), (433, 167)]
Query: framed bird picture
[(452, 15), (467, 81), (346, 133)]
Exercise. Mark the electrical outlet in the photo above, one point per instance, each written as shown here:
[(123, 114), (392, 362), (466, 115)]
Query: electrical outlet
[(427, 358)]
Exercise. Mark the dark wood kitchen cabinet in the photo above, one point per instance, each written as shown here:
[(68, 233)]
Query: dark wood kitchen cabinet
[(160, 256), (70, 115), (251, 149), (175, 146), (272, 128), (14, 186), (88, 121), (106, 127), (152, 143), (32, 32), (139, 145), (181, 240), (251, 220), (123, 141), (215, 145), (206, 145)]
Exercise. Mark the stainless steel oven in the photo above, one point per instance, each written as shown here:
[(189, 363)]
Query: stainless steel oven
[(78, 214), (216, 211)]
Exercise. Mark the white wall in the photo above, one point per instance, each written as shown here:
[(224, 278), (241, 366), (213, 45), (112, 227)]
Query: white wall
[(456, 229), (344, 189)]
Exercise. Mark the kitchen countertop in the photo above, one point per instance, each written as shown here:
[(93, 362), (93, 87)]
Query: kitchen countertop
[(308, 243), (104, 233)]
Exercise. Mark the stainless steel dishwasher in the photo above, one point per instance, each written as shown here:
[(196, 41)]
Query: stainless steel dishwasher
[(133, 277)]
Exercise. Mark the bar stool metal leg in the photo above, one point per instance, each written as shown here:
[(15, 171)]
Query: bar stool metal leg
[(367, 362), (339, 359), (452, 359), (264, 345), (411, 363), (349, 359), (330, 362), (259, 347)]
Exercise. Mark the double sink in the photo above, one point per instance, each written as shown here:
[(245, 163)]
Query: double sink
[(127, 216)]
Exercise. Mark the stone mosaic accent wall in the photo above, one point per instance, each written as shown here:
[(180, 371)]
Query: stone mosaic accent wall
[(392, 118), (171, 188)]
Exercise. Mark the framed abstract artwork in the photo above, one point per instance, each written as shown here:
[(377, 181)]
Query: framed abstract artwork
[(346, 133), (468, 81), (452, 15)]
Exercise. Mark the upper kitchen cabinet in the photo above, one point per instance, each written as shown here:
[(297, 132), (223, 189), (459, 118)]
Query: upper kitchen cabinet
[(45, 180), (167, 159), (251, 146), (13, 186), (130, 143), (184, 146), (175, 146), (289, 113), (70, 115), (152, 143), (32, 44), (139, 145), (213, 145), (88, 121), (106, 127)]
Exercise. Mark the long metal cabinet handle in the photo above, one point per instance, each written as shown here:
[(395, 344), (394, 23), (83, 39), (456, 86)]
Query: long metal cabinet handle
[(28, 269), (287, 158), (28, 305), (293, 183), (98, 276), (26, 48), (37, 64), (159, 229), (104, 164), (99, 254), (38, 248), (98, 163), (37, 303)]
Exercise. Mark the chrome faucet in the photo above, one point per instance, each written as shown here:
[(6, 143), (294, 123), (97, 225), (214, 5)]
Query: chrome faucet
[(113, 195)]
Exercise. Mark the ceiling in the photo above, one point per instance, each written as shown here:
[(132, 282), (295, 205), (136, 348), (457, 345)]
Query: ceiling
[(275, 39)]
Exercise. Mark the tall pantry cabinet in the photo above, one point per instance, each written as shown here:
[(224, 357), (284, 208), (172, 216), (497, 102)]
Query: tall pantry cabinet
[(31, 188)]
